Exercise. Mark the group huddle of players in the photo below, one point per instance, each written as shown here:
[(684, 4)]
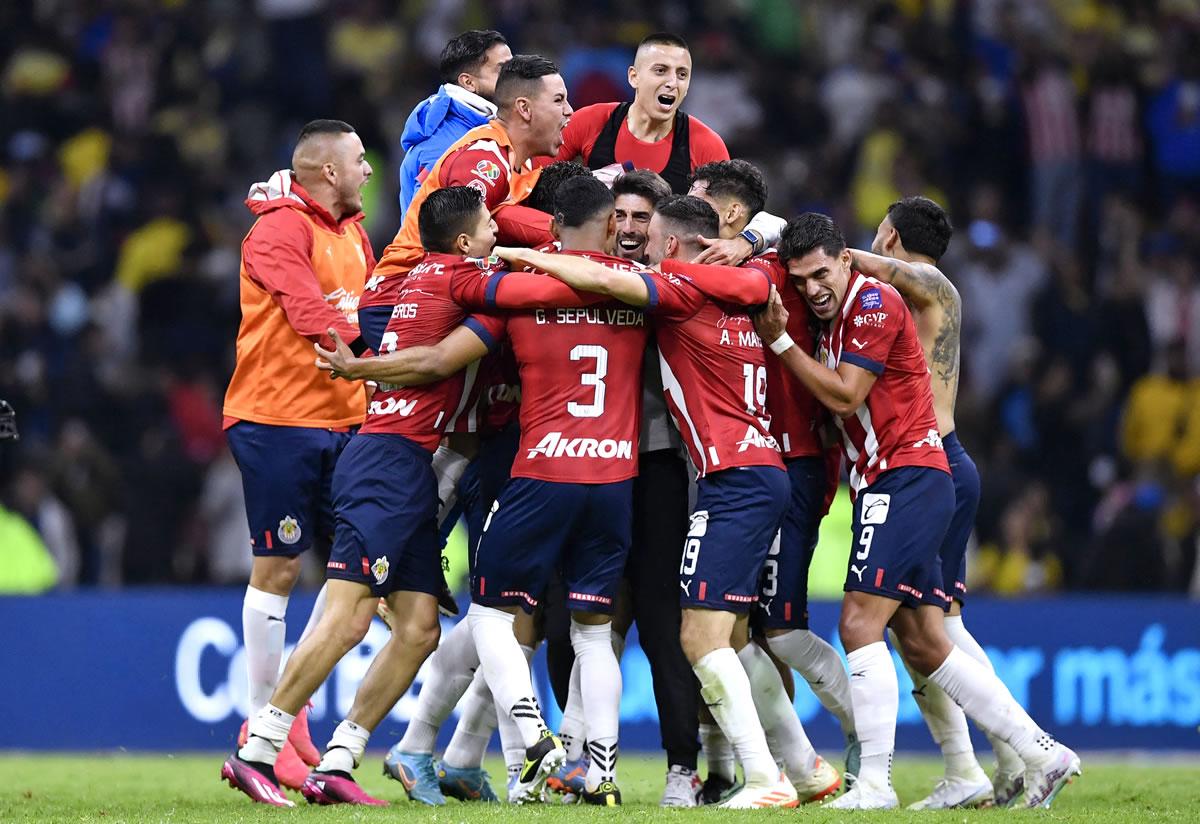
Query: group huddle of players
[(552, 348)]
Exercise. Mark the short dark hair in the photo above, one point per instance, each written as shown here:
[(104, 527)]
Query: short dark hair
[(689, 216), (317, 127), (467, 53), (663, 38), (923, 225), (738, 179), (520, 76), (643, 183), (446, 214), (580, 200), (550, 179), (812, 230)]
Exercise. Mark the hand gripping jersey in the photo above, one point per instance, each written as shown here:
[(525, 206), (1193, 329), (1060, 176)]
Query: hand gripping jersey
[(714, 373), (481, 159), (796, 415), (581, 377), (895, 426)]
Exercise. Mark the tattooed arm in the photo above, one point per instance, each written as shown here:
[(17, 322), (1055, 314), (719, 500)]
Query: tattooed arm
[(924, 287)]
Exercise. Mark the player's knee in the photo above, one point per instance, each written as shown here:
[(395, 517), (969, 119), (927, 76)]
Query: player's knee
[(420, 634), (857, 628), (275, 574), (695, 640)]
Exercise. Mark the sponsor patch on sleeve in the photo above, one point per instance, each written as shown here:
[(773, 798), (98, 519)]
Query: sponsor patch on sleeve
[(870, 299), (487, 170)]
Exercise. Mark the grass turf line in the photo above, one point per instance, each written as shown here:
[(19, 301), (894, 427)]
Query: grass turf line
[(149, 788)]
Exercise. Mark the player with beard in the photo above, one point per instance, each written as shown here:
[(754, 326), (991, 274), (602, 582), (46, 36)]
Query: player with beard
[(870, 372), (911, 238), (737, 190)]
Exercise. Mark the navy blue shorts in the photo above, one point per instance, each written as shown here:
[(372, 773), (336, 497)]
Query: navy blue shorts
[(534, 526), (783, 586), (372, 323), (900, 522), (483, 480), (737, 513), (287, 472), (966, 504), (385, 499)]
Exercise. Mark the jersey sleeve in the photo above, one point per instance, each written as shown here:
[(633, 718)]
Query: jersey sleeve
[(278, 258), (770, 266), (705, 144), (871, 326), (672, 297), (518, 290), (518, 225), (481, 170), (728, 284), (490, 328)]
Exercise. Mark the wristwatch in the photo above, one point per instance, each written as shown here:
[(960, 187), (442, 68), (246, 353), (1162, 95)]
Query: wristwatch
[(752, 238)]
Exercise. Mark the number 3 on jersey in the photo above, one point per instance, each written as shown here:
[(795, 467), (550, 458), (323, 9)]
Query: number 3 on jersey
[(595, 379)]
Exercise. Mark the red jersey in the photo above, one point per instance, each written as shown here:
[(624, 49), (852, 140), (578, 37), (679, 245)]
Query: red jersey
[(585, 126), (714, 373), (796, 415), (581, 379), (499, 395), (895, 426)]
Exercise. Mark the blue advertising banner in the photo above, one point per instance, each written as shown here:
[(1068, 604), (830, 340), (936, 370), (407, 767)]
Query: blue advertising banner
[(164, 670)]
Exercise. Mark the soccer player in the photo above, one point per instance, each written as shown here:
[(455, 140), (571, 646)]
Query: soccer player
[(737, 190), (385, 499), (715, 379), (304, 263), (497, 160), (469, 65), (911, 238), (651, 132), (870, 372)]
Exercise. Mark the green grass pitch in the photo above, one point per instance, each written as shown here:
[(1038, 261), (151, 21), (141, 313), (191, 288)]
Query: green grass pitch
[(158, 788)]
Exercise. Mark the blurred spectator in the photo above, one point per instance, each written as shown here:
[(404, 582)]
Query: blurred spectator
[(33, 500)]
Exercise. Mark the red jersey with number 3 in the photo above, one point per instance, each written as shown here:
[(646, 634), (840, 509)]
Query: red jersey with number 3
[(714, 375), (796, 415), (895, 426), (581, 379)]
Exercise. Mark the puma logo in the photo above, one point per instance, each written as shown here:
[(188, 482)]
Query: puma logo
[(858, 571), (858, 343), (686, 587)]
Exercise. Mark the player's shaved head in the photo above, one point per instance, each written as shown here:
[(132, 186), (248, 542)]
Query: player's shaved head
[(687, 218), (522, 77), (330, 163), (923, 226), (317, 142), (582, 200), (812, 230), (551, 178), (660, 38)]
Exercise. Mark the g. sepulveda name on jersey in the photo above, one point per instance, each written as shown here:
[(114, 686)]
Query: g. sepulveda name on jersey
[(581, 376), (895, 426), (714, 376)]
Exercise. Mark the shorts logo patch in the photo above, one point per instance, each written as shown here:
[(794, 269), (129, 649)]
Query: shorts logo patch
[(870, 299), (380, 569), (858, 571), (875, 507), (289, 530)]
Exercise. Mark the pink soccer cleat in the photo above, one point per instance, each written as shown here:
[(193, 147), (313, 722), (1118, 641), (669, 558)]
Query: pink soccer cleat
[(335, 788), (255, 780)]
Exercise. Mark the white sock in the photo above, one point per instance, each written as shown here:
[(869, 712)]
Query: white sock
[(600, 680), (506, 670), (345, 749), (718, 753), (726, 690), (267, 734), (946, 721), (450, 673), (988, 703), (263, 627), (314, 617), (819, 664), (1006, 757), (875, 693), (572, 729), (476, 723), (511, 741), (448, 466), (776, 713)]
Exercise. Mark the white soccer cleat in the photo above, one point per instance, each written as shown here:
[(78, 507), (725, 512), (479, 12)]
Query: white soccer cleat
[(958, 791), (1046, 779), (754, 797), (1007, 787), (818, 783), (863, 796), (682, 788)]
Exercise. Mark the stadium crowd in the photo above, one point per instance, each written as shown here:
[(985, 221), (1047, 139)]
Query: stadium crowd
[(1063, 136)]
